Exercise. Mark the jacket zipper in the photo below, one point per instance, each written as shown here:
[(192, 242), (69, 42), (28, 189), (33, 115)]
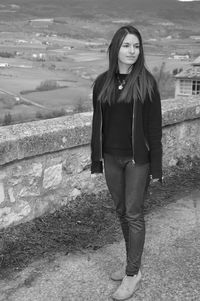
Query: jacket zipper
[(101, 151), (146, 143), (133, 131)]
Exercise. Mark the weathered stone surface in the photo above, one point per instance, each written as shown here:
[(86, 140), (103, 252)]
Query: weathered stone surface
[(52, 176), (22, 208), (4, 211), (40, 207), (76, 162), (11, 195), (40, 137), (75, 193), (44, 136), (29, 191), (17, 170), (70, 164), (2, 175), (19, 211), (179, 110), (181, 140), (2, 194), (14, 181), (85, 162), (35, 170)]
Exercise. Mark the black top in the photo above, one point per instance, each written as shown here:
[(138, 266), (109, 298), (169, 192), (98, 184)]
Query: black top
[(117, 125)]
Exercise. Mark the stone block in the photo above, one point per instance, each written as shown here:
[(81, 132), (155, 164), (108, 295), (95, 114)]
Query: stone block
[(40, 207), (68, 167), (29, 191), (36, 170), (75, 193), (11, 195), (2, 194), (27, 170), (4, 211), (22, 207), (10, 218), (2, 175), (52, 176)]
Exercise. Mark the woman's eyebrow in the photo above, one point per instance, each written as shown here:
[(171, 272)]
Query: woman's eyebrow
[(130, 43)]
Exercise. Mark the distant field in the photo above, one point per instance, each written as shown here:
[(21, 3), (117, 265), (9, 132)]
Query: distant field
[(77, 72), (170, 64), (73, 48), (171, 9)]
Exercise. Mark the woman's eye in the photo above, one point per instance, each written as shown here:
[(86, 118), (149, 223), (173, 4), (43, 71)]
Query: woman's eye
[(127, 46)]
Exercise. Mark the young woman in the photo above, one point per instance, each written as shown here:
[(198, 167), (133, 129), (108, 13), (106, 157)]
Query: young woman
[(126, 139)]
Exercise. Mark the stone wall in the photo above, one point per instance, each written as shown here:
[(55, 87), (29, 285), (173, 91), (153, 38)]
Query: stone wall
[(46, 164)]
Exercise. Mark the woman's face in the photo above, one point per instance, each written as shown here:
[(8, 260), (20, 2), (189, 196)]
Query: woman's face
[(128, 52)]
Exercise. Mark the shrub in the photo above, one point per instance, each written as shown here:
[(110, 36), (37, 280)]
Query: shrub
[(176, 71), (7, 54), (79, 106), (51, 114), (47, 85), (7, 119), (165, 81)]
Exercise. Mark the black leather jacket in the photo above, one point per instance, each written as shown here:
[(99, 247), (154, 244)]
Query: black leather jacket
[(146, 131)]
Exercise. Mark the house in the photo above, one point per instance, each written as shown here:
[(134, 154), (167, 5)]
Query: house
[(188, 80), (195, 37), (41, 22), (4, 65), (181, 56)]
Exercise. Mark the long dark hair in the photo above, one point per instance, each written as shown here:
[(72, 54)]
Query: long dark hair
[(139, 80)]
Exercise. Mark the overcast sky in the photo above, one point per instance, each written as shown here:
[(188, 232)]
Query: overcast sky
[(188, 0)]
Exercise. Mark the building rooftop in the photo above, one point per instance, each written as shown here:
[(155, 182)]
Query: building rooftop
[(196, 62), (191, 72)]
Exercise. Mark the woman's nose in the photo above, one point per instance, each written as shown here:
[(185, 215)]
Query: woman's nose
[(132, 49)]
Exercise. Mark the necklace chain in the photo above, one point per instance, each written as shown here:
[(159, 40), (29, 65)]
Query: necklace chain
[(121, 84)]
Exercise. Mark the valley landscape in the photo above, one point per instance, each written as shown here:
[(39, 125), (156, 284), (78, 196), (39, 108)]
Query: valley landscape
[(51, 51)]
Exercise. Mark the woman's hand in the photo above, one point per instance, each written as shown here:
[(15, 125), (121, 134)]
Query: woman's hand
[(156, 180), (95, 175)]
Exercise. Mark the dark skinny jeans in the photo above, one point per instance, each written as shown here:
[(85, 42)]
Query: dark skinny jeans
[(127, 183)]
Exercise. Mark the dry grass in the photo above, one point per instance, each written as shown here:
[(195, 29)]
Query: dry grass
[(87, 223)]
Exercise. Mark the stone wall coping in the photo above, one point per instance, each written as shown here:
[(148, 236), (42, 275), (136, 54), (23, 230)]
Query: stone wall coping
[(51, 135), (180, 109)]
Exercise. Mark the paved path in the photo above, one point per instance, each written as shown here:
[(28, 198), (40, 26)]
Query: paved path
[(171, 264)]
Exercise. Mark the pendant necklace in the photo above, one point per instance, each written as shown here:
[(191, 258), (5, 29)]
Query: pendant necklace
[(121, 83)]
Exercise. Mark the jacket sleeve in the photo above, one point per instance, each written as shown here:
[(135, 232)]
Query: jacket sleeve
[(96, 165), (155, 134)]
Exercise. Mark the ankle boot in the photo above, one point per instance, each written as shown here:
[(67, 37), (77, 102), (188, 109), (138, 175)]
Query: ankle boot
[(128, 286), (118, 275)]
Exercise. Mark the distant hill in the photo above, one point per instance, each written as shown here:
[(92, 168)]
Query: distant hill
[(172, 10)]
